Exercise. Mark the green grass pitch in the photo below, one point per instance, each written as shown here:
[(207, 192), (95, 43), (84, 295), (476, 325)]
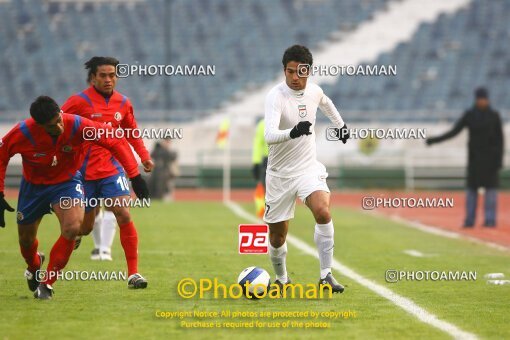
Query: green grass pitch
[(199, 240)]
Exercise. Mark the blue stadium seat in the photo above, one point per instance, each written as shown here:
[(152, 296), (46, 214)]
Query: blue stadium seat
[(439, 67), (45, 44)]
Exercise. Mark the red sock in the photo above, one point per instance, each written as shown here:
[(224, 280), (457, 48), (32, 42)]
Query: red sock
[(60, 254), (31, 258), (129, 241)]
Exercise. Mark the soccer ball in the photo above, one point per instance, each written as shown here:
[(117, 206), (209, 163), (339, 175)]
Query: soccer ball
[(259, 282)]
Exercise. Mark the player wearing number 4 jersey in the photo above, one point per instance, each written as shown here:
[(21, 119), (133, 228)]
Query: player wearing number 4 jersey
[(103, 176), (293, 170), (50, 144)]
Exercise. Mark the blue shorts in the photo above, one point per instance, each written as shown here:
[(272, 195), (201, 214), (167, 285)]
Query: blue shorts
[(113, 186), (36, 200)]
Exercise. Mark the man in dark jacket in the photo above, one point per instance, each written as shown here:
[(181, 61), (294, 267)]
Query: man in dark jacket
[(161, 180), (485, 156)]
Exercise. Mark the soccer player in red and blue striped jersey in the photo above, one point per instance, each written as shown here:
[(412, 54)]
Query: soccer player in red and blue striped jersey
[(103, 177), (51, 146)]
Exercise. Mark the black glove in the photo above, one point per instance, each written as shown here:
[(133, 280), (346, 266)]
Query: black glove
[(343, 134), (140, 187), (302, 128), (429, 141), (4, 206), (256, 171)]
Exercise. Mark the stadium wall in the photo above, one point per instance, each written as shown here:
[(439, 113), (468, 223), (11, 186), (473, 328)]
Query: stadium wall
[(361, 163)]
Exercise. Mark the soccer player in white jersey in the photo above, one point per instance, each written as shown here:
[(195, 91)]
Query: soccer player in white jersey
[(293, 170)]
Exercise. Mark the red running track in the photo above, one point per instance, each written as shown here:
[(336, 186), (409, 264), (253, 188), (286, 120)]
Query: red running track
[(450, 219)]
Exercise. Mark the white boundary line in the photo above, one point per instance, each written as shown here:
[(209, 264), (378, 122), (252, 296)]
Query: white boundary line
[(402, 302)]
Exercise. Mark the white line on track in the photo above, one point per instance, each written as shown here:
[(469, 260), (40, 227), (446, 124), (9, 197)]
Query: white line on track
[(402, 302), (440, 232)]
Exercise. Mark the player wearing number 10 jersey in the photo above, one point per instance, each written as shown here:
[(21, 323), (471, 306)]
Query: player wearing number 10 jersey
[(103, 176)]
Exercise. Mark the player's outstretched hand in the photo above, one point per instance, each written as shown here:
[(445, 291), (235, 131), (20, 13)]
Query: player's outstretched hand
[(140, 187), (302, 128), (4, 206)]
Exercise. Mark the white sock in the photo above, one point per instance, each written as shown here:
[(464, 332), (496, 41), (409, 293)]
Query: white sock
[(108, 229), (278, 257), (96, 232), (325, 241)]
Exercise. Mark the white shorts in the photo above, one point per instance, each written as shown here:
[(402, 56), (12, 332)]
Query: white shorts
[(281, 193)]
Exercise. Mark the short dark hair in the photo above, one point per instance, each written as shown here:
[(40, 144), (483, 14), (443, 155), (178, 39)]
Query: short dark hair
[(297, 53), (44, 109), (481, 92), (95, 62)]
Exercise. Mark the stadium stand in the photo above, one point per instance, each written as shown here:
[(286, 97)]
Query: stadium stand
[(437, 69), (48, 57)]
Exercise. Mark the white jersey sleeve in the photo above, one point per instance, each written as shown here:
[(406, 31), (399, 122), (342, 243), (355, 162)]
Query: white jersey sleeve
[(329, 109), (273, 113)]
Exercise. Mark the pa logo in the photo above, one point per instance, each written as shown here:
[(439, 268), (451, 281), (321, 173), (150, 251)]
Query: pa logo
[(302, 111), (20, 216), (253, 238)]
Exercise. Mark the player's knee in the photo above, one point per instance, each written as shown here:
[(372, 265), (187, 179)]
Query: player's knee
[(322, 215), (71, 229), (122, 216), (276, 240)]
